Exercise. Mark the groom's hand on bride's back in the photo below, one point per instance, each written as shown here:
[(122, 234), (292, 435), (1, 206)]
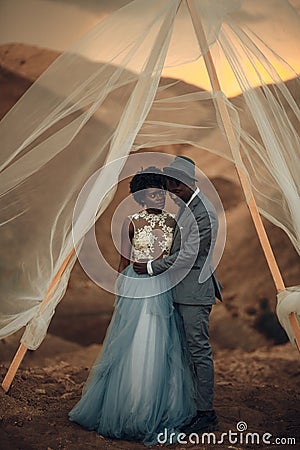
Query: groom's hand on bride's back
[(140, 267)]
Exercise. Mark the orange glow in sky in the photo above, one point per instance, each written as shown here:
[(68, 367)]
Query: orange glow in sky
[(195, 73)]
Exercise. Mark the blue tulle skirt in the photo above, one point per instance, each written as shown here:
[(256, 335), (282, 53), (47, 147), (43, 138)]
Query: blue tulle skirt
[(141, 384)]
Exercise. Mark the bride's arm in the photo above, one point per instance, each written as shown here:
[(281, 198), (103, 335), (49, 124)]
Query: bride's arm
[(126, 238)]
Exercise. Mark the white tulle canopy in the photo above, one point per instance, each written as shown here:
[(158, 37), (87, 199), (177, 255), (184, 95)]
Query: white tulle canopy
[(103, 99)]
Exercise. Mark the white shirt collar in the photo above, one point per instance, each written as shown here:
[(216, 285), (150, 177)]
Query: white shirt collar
[(196, 192)]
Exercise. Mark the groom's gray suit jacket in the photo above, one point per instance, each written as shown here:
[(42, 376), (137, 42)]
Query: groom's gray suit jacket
[(190, 259)]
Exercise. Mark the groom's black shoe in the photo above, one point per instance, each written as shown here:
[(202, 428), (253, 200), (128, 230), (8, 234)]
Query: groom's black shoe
[(203, 422)]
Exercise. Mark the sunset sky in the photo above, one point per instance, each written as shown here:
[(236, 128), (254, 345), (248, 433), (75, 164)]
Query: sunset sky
[(56, 24)]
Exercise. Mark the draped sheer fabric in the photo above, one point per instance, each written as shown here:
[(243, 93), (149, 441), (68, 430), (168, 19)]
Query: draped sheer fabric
[(103, 98)]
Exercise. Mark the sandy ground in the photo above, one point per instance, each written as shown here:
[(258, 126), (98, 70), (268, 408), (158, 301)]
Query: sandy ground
[(260, 388)]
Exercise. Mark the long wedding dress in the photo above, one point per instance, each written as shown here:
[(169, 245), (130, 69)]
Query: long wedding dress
[(141, 384)]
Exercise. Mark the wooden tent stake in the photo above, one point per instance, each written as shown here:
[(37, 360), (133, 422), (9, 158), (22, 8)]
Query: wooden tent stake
[(234, 145), (14, 365), (295, 327), (21, 352)]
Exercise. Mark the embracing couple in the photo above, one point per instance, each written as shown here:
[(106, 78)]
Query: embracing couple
[(155, 372)]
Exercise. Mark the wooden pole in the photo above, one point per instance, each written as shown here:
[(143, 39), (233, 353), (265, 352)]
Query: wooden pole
[(234, 145), (21, 352), (295, 327)]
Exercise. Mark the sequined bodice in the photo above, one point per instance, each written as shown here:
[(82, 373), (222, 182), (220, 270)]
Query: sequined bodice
[(153, 235)]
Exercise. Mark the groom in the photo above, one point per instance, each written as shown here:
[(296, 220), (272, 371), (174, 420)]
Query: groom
[(190, 263)]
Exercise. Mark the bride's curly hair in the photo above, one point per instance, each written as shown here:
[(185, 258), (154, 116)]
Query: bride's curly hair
[(151, 177)]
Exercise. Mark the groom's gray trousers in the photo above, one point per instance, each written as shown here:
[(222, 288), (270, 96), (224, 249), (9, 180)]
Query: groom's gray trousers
[(196, 323)]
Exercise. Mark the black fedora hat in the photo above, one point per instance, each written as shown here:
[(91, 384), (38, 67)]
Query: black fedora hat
[(182, 169)]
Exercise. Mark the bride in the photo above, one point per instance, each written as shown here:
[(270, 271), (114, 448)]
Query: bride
[(141, 384)]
